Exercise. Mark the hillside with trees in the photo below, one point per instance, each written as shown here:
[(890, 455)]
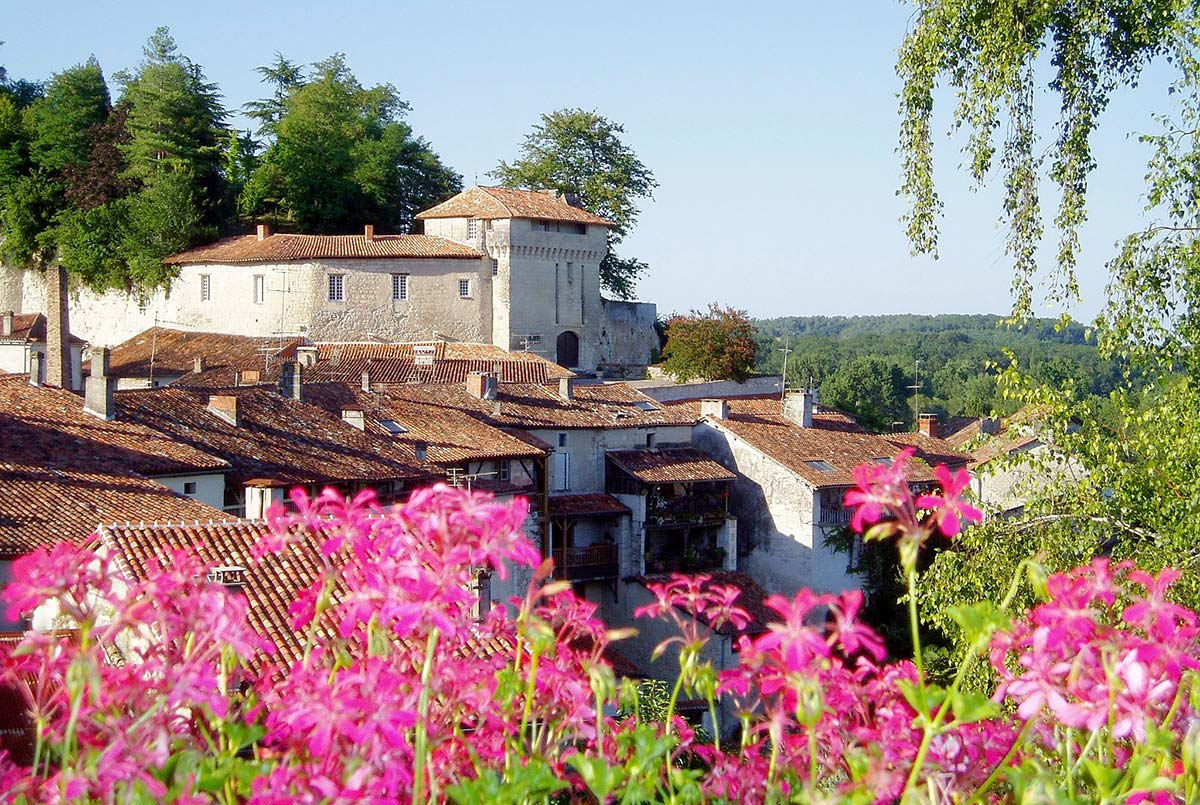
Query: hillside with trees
[(867, 365)]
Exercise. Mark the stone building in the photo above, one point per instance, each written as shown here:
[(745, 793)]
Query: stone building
[(513, 268)]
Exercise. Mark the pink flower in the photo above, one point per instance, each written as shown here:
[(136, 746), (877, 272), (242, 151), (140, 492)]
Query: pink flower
[(950, 510), (880, 488)]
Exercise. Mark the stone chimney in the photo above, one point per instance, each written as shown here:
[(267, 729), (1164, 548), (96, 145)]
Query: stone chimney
[(291, 379), (306, 356), (6, 323), (366, 380), (198, 364), (264, 231), (717, 409), (225, 406), (354, 416), (35, 368), (482, 385), (566, 388), (369, 232), (58, 328), (98, 391), (249, 377), (927, 424), (798, 407)]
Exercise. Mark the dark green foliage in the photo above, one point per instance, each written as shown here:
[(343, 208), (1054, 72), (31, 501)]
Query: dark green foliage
[(961, 356), (582, 153), (63, 122), (718, 345), (342, 156)]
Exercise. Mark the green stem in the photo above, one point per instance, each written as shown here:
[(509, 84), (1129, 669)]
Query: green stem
[(421, 741)]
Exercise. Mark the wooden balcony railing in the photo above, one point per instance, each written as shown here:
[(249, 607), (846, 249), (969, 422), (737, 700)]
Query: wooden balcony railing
[(589, 563)]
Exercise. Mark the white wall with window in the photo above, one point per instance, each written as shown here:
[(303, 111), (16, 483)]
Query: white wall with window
[(260, 288), (464, 288), (399, 287), (208, 489), (205, 287), (337, 288)]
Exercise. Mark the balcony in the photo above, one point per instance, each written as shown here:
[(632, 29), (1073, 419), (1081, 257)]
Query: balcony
[(700, 508), (589, 563)]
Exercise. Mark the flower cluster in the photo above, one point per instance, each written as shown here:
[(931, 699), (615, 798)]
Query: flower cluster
[(407, 692)]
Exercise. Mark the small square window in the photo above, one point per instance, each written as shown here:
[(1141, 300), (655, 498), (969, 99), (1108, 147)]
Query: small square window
[(205, 287), (189, 487), (337, 287), (651, 439), (503, 471), (562, 440), (399, 287), (260, 289), (464, 289)]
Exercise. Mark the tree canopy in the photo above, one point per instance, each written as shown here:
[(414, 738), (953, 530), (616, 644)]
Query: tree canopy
[(582, 153), (718, 345)]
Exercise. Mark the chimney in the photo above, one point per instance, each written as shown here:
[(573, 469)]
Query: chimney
[(928, 425), (6, 324), (717, 409), (98, 391), (198, 365), (482, 385), (798, 407), (989, 426), (566, 388), (58, 327), (369, 231), (355, 417), (264, 231), (225, 406), (291, 377), (306, 356), (366, 381), (35, 368), (249, 377)]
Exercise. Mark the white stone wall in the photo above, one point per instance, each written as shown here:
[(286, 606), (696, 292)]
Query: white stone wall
[(14, 358), (627, 337), (586, 448), (780, 544), (210, 489)]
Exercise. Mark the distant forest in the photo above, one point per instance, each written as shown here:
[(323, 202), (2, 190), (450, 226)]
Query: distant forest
[(867, 365)]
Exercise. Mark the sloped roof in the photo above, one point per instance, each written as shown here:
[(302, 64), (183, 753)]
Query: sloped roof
[(279, 440), (669, 465), (504, 202), (282, 248), (831, 442), (30, 328), (591, 504), (930, 449), (173, 352), (451, 435)]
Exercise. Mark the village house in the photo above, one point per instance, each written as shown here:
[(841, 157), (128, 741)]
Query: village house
[(23, 347), (513, 268), (794, 462)]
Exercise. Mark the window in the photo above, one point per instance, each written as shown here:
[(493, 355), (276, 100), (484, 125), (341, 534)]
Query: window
[(260, 289), (651, 439), (189, 487), (392, 426), (545, 226), (503, 471), (472, 229), (464, 289), (571, 273), (820, 466), (562, 440), (205, 287), (337, 287), (399, 287), (562, 472), (579, 229), (495, 267)]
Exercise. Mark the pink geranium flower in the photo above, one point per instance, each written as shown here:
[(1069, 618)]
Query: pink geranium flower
[(950, 510)]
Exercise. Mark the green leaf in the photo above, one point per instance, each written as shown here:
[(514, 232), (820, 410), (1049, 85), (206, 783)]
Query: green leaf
[(979, 621)]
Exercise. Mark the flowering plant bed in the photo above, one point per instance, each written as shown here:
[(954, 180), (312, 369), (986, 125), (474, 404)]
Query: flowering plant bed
[(404, 693)]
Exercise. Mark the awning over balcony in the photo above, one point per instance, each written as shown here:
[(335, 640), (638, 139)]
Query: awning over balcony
[(597, 504), (669, 465)]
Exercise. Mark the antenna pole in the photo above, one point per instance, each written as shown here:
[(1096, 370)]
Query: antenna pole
[(916, 387), (787, 340)]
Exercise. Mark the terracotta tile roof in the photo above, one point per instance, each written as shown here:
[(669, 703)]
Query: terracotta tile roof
[(279, 439), (596, 504), (751, 597), (173, 352), (281, 248), (47, 428), (832, 442), (503, 202), (452, 362), (669, 465), (930, 449), (451, 435), (30, 328)]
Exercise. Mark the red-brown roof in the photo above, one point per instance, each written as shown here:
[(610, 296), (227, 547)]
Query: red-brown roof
[(824, 455), (451, 363), (281, 248), (30, 328), (503, 202), (930, 449), (278, 439), (174, 352), (596, 504), (669, 465)]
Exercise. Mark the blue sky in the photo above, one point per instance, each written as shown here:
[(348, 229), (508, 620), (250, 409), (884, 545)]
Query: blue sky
[(771, 128)]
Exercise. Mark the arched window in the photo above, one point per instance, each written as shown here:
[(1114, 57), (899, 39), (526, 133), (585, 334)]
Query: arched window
[(567, 351)]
